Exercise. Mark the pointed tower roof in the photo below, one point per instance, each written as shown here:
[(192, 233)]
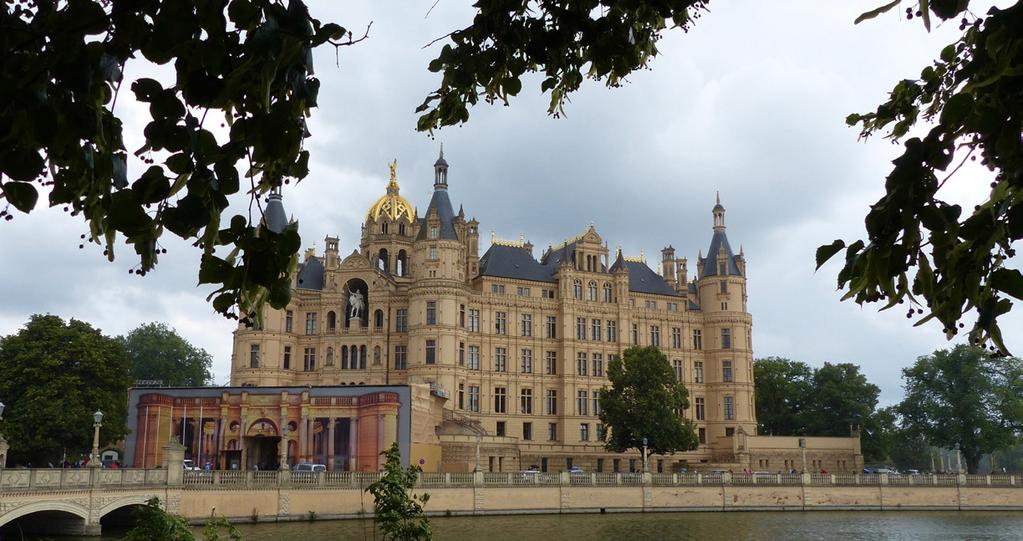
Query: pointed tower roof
[(719, 242), (275, 217), (441, 203), (440, 159)]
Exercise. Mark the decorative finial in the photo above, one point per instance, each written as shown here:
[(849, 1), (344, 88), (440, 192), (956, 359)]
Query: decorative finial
[(493, 236), (718, 197), (394, 170), (442, 150)]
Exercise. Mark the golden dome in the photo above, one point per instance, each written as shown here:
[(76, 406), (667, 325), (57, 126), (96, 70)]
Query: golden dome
[(392, 206)]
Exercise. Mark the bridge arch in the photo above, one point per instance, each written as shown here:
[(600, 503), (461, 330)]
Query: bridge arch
[(129, 501), (40, 507), (48, 518)]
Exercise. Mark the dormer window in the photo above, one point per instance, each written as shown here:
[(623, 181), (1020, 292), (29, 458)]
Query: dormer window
[(401, 229), (722, 268), (433, 232)]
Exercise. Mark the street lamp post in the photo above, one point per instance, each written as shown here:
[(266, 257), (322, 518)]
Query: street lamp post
[(645, 469), (94, 461)]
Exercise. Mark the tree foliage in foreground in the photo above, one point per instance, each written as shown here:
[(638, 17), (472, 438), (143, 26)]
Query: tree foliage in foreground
[(245, 65), (53, 376), (963, 397), (153, 522), (946, 261), (400, 513), (644, 401), (158, 352)]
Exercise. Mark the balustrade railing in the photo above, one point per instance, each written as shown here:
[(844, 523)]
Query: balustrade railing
[(13, 479)]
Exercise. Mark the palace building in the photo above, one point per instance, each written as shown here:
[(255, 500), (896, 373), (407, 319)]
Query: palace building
[(513, 347)]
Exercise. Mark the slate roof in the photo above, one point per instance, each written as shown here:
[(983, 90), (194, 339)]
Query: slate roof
[(512, 262), (310, 274), (710, 266), (442, 203), (516, 263)]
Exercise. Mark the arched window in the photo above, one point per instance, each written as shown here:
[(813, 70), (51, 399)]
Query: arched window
[(608, 297), (591, 288), (383, 228), (331, 321), (401, 266), (376, 356), (330, 356), (577, 289), (382, 262), (344, 357), (362, 357), (401, 229), (378, 319)]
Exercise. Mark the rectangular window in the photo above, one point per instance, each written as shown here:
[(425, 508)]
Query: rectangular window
[(600, 465), (655, 335), (616, 465), (552, 363), (309, 360), (500, 323), (632, 465), (526, 325), (287, 357), (582, 402), (500, 400), (697, 339), (726, 371), (702, 432), (526, 401), (730, 431), (584, 432), (431, 312), (607, 293), (673, 307), (461, 396), (698, 372), (580, 363), (612, 331), (289, 316), (726, 338), (527, 431), (601, 432), (310, 323), (522, 291), (729, 409), (433, 252), (461, 316), (548, 293), (474, 398), (401, 357), (433, 232), (679, 371), (474, 320), (401, 320), (500, 429), (461, 354), (497, 289), (596, 406), (595, 333), (500, 360), (724, 286), (552, 327), (635, 334), (474, 357), (598, 365), (254, 356), (676, 338), (552, 402), (701, 409), (552, 431), (580, 328), (527, 361), (431, 352), (651, 305)]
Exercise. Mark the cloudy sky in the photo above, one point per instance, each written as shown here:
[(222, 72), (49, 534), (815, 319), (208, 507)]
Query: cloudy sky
[(750, 103)]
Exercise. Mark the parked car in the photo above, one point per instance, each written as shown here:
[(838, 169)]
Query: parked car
[(307, 467), (531, 473), (575, 470), (190, 466)]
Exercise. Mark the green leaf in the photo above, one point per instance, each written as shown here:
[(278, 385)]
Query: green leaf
[(22, 195), (876, 11), (1008, 281), (825, 252), (956, 109)]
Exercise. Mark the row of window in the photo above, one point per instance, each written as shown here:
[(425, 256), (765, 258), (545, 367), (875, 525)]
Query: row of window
[(471, 321), (522, 291)]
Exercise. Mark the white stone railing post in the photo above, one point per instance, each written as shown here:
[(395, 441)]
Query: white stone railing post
[(447, 479), (699, 478), (563, 479), (477, 479), (961, 479), (618, 478), (648, 478), (674, 478), (726, 478)]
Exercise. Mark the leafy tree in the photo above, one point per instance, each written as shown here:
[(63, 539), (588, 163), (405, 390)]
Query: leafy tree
[(244, 64), (55, 375), (919, 247), (963, 397), (645, 400), (842, 398), (399, 512), (783, 393), (158, 352), (887, 441), (152, 522)]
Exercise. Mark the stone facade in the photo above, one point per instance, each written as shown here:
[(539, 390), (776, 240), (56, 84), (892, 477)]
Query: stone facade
[(518, 347)]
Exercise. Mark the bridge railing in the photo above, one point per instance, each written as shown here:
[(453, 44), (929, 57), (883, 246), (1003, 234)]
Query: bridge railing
[(12, 480)]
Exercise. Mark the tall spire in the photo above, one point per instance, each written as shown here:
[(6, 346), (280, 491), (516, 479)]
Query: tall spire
[(719, 215), (440, 171)]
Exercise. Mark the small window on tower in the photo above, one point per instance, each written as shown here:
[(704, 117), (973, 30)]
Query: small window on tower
[(433, 232)]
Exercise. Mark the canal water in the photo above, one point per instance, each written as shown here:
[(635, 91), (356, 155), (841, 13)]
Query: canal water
[(696, 526)]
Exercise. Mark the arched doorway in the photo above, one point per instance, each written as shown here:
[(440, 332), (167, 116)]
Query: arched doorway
[(356, 289), (261, 443)]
